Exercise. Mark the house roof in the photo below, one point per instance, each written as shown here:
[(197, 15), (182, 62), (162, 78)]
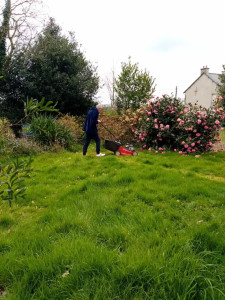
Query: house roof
[(213, 76)]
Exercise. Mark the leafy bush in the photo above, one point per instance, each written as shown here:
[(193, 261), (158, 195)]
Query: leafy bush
[(74, 125), (47, 131), (117, 125), (5, 130), (167, 124)]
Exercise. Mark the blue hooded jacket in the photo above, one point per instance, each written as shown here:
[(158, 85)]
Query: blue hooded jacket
[(91, 121)]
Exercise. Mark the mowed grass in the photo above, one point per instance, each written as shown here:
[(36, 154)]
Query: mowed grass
[(145, 227)]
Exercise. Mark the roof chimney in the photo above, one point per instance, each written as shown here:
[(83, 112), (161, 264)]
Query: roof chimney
[(205, 70)]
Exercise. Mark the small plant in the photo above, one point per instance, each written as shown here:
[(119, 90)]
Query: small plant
[(12, 179)]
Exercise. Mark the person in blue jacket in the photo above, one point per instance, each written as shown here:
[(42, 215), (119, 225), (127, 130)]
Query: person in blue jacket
[(91, 129)]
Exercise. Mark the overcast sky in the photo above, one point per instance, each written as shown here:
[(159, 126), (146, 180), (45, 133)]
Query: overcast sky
[(172, 39)]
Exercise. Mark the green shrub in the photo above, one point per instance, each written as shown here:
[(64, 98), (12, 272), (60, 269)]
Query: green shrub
[(47, 131)]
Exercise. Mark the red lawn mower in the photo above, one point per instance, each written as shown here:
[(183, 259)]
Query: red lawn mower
[(117, 148)]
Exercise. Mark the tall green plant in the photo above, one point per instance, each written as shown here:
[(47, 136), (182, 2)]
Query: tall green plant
[(48, 131), (3, 34), (12, 179), (33, 106)]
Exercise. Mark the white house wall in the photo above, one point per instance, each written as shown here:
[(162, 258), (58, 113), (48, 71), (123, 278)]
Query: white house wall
[(203, 91)]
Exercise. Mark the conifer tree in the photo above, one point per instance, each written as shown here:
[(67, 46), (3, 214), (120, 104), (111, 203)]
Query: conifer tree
[(3, 34)]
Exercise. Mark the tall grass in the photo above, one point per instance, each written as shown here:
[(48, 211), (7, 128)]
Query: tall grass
[(145, 227)]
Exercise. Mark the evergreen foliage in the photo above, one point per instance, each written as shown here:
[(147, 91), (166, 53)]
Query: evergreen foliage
[(54, 68)]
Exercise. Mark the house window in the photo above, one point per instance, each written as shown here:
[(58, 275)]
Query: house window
[(213, 98)]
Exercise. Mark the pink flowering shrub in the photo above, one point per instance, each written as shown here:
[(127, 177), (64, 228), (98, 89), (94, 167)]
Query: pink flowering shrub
[(167, 124)]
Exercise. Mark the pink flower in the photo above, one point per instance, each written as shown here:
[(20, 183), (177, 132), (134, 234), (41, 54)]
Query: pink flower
[(160, 149), (156, 152), (192, 144), (217, 122), (144, 146), (147, 119), (163, 152), (185, 146), (167, 126), (199, 121), (221, 128), (175, 150), (206, 127), (161, 125), (180, 152), (220, 98), (149, 113), (197, 156), (198, 142), (198, 134), (156, 120), (156, 126), (149, 149), (214, 127)]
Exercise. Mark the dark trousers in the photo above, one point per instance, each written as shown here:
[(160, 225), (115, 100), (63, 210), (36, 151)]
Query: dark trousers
[(89, 137)]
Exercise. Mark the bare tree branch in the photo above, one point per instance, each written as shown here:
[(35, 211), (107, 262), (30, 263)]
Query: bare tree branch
[(26, 19)]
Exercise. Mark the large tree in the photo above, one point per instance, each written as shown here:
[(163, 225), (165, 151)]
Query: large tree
[(54, 68), (133, 87)]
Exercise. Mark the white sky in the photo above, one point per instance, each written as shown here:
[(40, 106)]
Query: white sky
[(172, 39)]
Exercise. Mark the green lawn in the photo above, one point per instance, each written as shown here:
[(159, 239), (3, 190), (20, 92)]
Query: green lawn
[(222, 134), (145, 227)]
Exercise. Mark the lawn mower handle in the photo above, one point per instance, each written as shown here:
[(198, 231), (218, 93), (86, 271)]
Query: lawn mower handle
[(107, 130)]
